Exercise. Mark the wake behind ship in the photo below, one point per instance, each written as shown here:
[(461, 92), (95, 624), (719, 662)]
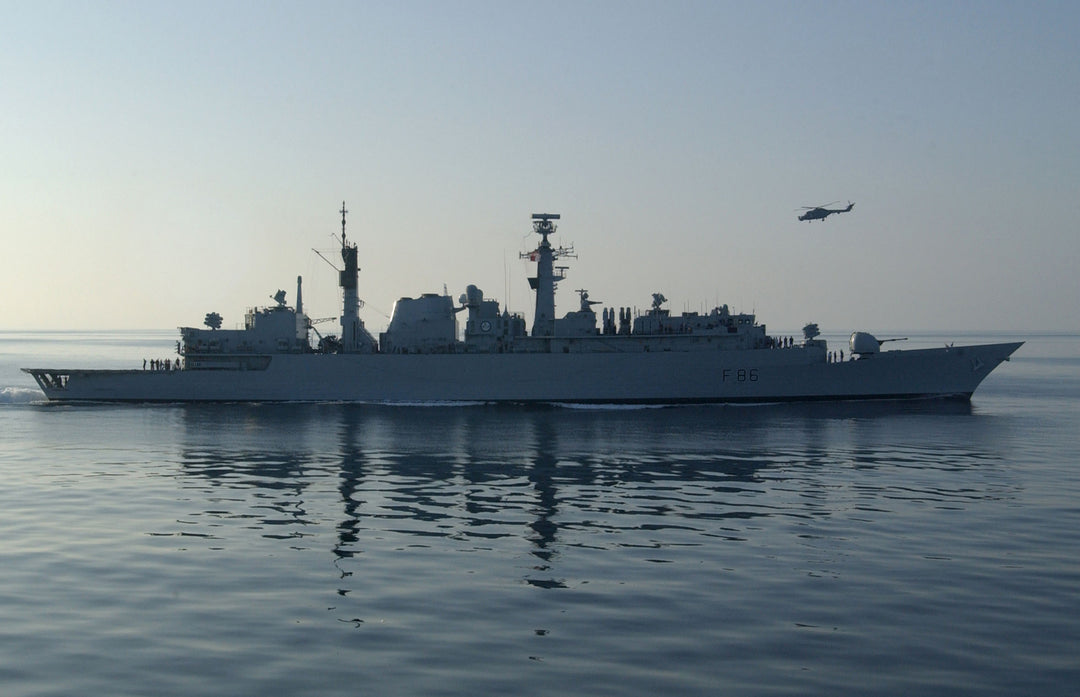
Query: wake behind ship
[(620, 356)]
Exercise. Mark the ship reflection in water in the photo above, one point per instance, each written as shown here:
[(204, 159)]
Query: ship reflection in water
[(468, 485)]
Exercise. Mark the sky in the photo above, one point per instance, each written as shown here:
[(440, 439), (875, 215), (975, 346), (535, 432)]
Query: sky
[(162, 160)]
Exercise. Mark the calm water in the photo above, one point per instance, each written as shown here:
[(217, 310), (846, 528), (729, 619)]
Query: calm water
[(885, 549)]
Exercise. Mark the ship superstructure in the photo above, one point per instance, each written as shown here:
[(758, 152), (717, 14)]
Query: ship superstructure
[(425, 324), (622, 355)]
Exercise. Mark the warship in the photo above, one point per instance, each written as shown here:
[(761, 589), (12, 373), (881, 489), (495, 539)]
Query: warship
[(622, 356)]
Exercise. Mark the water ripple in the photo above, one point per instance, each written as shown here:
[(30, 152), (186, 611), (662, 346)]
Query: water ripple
[(300, 548)]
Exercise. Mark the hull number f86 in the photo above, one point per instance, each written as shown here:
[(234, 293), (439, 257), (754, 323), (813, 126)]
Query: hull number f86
[(739, 375)]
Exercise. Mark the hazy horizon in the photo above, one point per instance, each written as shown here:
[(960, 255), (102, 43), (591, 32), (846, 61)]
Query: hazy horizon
[(165, 161)]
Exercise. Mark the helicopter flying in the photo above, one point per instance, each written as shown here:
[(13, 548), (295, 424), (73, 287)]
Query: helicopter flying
[(821, 212)]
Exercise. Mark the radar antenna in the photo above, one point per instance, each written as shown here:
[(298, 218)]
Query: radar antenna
[(543, 226), (542, 223), (586, 304), (343, 211)]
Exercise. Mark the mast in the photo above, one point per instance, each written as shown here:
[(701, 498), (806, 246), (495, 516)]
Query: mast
[(547, 274), (350, 313), (301, 320)]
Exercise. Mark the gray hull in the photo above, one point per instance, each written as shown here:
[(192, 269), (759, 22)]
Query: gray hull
[(759, 375)]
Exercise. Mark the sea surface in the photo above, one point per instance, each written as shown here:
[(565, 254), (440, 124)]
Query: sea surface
[(904, 548)]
